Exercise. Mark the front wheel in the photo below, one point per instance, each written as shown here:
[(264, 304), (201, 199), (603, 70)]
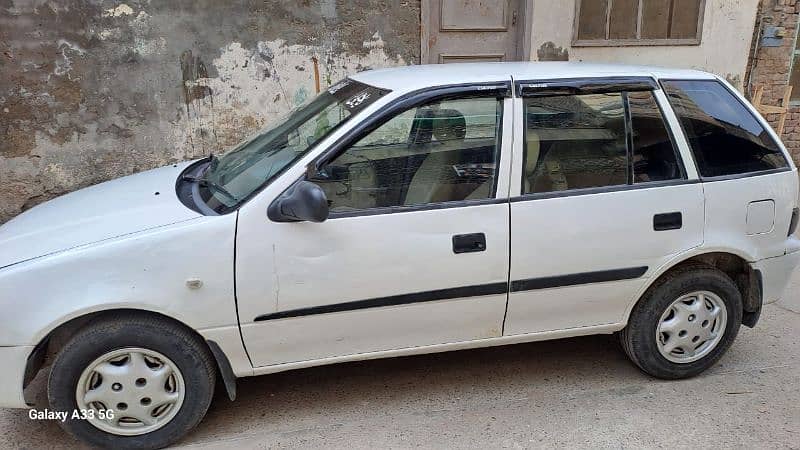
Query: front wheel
[(684, 323), (132, 382)]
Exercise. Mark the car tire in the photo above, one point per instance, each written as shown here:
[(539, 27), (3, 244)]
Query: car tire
[(108, 354), (692, 306)]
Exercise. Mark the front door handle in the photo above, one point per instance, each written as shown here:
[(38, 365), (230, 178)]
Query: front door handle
[(668, 221), (468, 243)]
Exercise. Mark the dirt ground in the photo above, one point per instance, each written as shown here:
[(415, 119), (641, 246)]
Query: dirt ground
[(578, 392)]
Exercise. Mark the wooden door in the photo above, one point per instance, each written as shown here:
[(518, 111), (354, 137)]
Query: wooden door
[(472, 30)]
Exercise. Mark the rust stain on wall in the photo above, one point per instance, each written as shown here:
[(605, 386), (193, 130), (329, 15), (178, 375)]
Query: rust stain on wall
[(193, 68)]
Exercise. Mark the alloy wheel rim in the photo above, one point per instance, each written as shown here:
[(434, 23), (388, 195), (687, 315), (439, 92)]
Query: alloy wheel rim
[(130, 391), (691, 327)]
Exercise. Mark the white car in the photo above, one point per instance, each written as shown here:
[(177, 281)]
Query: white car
[(405, 211)]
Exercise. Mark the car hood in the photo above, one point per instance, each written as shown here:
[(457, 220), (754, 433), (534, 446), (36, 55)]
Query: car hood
[(115, 208)]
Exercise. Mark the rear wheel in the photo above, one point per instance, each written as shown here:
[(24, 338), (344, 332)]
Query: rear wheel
[(684, 323), (136, 382)]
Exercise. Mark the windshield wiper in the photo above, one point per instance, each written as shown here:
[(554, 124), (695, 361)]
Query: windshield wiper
[(208, 183)]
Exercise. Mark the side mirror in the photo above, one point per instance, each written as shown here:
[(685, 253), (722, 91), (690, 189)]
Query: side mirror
[(304, 201)]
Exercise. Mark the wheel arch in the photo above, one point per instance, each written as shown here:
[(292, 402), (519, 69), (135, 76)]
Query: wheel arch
[(54, 340), (734, 264)]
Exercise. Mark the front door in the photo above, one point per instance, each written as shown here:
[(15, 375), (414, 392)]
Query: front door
[(415, 251), (472, 31), (605, 201)]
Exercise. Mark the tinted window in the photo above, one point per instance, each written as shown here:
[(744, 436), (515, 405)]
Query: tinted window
[(580, 141), (438, 152), (574, 142), (725, 138), (655, 158)]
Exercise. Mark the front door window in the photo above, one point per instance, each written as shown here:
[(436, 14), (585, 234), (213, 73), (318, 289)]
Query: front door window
[(443, 151)]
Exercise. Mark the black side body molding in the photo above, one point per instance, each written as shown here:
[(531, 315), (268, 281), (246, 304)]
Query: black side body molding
[(577, 278), (460, 292), (394, 300)]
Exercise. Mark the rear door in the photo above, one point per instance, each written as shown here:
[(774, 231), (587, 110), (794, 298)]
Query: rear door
[(604, 200)]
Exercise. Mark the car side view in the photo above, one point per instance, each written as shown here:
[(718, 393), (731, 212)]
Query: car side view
[(405, 211)]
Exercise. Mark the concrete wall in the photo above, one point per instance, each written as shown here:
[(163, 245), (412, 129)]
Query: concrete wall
[(727, 32), (92, 90)]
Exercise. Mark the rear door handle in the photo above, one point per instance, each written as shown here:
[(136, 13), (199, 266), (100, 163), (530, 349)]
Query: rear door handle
[(668, 221), (469, 243)]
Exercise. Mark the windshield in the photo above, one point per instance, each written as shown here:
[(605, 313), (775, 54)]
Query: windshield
[(233, 178)]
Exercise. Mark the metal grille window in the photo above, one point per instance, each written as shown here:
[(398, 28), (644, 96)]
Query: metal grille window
[(638, 22)]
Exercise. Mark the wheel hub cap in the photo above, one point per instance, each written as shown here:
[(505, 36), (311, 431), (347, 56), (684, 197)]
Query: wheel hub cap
[(130, 391), (691, 327)]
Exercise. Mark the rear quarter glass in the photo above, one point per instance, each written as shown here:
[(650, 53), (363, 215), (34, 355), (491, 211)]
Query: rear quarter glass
[(724, 136)]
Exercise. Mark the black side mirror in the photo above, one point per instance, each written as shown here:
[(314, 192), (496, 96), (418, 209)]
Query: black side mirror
[(304, 201)]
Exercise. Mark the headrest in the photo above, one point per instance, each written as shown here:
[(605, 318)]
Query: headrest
[(444, 124), (421, 127), (448, 125)]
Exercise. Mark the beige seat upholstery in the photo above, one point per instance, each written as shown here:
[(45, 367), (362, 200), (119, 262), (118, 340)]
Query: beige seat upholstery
[(432, 182), (427, 187), (429, 184), (482, 191), (547, 174), (532, 147), (532, 156)]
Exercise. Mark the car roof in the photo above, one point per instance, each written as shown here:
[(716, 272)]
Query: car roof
[(410, 78)]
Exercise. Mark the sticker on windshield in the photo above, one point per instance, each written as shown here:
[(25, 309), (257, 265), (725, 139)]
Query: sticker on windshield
[(338, 86), (356, 100)]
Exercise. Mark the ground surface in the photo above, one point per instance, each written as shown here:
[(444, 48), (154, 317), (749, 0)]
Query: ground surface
[(571, 393)]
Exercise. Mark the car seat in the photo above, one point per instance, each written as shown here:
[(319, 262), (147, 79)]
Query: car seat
[(434, 180)]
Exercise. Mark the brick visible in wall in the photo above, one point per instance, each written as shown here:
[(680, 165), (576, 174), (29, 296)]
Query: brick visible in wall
[(771, 66)]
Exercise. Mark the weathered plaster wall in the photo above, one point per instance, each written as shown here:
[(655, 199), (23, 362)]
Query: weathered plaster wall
[(92, 90), (727, 32)]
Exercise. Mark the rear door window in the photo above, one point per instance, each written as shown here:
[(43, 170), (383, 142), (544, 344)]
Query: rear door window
[(724, 136), (655, 157), (596, 140)]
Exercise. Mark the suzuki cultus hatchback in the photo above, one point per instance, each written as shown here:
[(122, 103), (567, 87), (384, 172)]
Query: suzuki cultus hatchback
[(405, 211)]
